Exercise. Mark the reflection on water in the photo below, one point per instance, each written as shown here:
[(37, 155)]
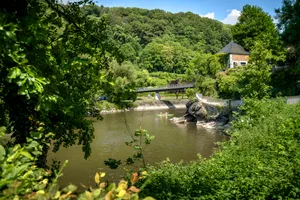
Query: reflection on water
[(174, 141)]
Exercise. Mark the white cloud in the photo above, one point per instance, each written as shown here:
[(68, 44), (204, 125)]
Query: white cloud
[(275, 21), (232, 17), (210, 15)]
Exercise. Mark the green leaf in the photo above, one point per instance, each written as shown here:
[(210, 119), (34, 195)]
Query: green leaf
[(53, 190), (111, 187), (9, 34), (36, 135), (14, 73), (148, 198), (26, 154), (70, 188), (2, 131), (137, 147), (96, 193), (2, 153)]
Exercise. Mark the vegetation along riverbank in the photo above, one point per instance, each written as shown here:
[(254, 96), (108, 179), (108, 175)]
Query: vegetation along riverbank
[(59, 61)]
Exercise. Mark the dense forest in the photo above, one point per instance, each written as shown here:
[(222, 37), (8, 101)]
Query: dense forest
[(136, 28), (158, 47), (55, 59)]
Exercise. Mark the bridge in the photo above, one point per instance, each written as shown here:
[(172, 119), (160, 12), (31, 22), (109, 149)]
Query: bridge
[(171, 87)]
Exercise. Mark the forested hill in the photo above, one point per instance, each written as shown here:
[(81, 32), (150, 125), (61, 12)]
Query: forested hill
[(141, 31)]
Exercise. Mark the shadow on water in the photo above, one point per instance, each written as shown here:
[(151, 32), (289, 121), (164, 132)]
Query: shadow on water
[(169, 104)]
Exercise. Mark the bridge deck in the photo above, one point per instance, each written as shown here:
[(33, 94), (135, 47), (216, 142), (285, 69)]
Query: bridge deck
[(165, 88)]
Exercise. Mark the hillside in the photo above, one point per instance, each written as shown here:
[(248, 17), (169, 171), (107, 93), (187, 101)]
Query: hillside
[(162, 41)]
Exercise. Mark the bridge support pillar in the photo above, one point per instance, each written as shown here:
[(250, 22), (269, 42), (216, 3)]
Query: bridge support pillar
[(157, 96)]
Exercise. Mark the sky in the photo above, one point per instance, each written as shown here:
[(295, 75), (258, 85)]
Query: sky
[(226, 11)]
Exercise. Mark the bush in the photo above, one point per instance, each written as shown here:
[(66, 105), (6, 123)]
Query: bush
[(190, 93), (261, 161), (105, 105)]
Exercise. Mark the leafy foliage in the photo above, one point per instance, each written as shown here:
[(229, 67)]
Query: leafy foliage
[(256, 25), (289, 23), (156, 40), (189, 29), (202, 71), (22, 179), (190, 93), (259, 162), (251, 80), (50, 68), (287, 81), (167, 56), (119, 83)]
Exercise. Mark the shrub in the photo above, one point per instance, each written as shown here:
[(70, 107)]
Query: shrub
[(190, 93), (105, 105), (261, 161)]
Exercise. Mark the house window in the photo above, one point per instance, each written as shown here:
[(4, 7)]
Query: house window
[(243, 63), (235, 64)]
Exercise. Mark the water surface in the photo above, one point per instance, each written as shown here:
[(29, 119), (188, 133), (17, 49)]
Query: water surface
[(176, 142)]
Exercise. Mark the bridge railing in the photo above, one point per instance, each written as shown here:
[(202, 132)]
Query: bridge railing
[(171, 86)]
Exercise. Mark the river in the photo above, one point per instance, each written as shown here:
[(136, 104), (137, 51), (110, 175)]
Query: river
[(176, 142)]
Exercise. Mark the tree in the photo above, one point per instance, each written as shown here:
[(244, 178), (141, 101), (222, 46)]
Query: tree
[(289, 24), (202, 71), (165, 55), (250, 81), (254, 24), (122, 77), (50, 68)]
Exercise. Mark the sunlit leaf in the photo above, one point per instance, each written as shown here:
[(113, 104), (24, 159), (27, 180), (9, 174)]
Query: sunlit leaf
[(26, 154), (148, 198), (96, 192), (121, 193), (2, 152), (97, 178), (102, 174)]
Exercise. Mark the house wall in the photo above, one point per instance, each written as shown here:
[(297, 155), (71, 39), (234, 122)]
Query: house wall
[(235, 58)]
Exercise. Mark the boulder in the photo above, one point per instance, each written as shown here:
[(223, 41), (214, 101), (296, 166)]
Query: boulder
[(195, 111), (222, 120), (207, 115)]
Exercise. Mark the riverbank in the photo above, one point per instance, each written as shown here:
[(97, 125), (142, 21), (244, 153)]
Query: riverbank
[(141, 105), (160, 104)]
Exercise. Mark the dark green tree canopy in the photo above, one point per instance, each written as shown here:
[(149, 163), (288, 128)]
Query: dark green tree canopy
[(256, 25), (51, 66), (251, 25), (289, 24), (188, 28)]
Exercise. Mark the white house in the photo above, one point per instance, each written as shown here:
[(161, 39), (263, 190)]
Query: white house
[(237, 55)]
